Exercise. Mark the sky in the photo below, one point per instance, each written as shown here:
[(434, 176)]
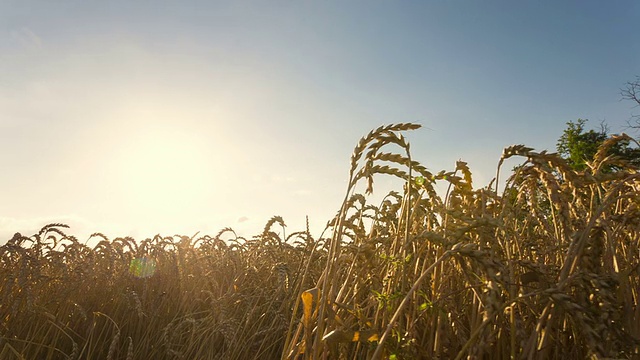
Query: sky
[(137, 118)]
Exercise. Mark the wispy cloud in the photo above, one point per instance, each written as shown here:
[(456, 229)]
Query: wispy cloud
[(302, 192), (26, 38), (283, 179)]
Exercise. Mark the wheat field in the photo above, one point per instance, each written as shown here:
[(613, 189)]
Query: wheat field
[(545, 268)]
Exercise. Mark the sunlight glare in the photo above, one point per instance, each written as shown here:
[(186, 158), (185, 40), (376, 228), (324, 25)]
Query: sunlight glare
[(166, 174)]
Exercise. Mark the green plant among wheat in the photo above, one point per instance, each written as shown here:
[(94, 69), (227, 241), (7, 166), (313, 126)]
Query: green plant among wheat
[(546, 268)]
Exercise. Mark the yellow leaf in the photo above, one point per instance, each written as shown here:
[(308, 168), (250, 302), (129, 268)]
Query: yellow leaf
[(308, 298)]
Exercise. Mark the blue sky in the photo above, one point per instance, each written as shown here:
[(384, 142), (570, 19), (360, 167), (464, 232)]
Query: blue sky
[(144, 117)]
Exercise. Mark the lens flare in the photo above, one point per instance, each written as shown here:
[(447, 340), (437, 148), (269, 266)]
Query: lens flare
[(143, 267)]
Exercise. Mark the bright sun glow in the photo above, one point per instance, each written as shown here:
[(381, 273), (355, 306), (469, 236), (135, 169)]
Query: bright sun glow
[(165, 172)]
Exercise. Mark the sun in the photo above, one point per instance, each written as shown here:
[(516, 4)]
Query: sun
[(165, 172)]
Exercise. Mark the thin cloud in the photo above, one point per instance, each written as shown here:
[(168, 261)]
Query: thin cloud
[(26, 38), (283, 179)]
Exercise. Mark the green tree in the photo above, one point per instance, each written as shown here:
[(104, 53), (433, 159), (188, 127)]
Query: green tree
[(578, 147)]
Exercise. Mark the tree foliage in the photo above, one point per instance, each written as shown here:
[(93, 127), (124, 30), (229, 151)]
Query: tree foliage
[(579, 147)]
